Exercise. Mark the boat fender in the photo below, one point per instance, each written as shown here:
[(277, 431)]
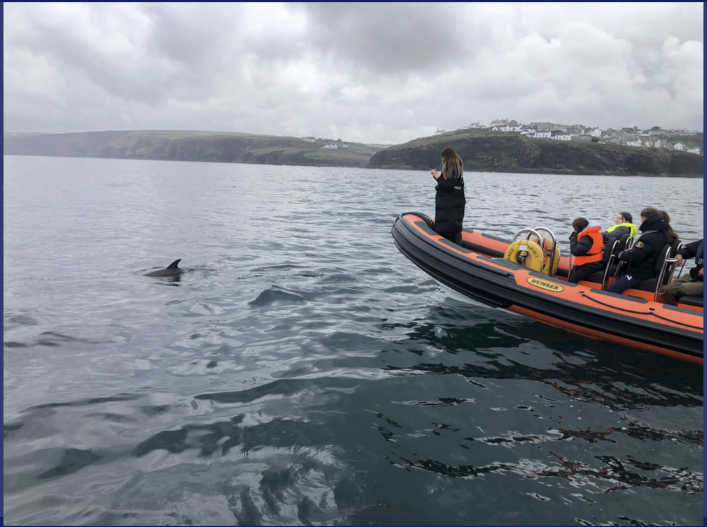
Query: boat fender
[(525, 252)]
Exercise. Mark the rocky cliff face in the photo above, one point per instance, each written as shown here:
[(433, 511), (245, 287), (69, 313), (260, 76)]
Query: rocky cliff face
[(513, 153)]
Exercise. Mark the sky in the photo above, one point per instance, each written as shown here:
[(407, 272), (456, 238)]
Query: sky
[(382, 73)]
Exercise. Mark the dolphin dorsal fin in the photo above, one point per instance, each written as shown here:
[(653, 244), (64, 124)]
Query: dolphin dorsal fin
[(174, 264)]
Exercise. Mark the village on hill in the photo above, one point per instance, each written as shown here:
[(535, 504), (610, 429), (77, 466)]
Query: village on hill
[(655, 137)]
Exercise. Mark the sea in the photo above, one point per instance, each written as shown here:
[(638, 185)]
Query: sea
[(303, 372)]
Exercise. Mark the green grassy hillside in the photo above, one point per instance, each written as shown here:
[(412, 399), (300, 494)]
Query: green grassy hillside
[(486, 151), (225, 147)]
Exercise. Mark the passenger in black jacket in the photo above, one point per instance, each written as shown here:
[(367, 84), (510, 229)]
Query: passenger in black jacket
[(642, 256), (691, 284), (450, 200)]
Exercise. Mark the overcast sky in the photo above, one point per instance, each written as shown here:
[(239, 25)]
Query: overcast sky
[(376, 73)]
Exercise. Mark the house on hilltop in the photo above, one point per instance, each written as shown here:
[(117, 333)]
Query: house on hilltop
[(582, 138), (562, 137)]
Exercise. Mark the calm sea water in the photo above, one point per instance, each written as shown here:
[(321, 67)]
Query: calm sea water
[(302, 371)]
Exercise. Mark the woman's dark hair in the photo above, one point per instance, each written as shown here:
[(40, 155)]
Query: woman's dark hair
[(450, 161), (579, 224), (627, 216), (664, 216)]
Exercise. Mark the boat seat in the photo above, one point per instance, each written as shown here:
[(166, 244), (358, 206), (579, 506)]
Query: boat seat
[(661, 268), (610, 254), (691, 300)]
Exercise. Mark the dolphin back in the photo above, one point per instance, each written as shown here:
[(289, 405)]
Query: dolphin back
[(172, 270)]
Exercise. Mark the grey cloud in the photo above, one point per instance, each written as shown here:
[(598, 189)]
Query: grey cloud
[(368, 72), (389, 38)]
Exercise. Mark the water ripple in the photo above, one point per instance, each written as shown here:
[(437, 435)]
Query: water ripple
[(302, 371)]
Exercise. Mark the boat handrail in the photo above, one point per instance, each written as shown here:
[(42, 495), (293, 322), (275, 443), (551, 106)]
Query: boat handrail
[(534, 232), (669, 265), (623, 264), (554, 248), (607, 269), (666, 264), (530, 233)]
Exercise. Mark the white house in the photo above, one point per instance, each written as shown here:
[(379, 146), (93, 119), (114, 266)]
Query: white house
[(595, 133), (694, 150), (545, 134), (310, 139), (679, 146), (331, 146), (637, 142), (438, 132), (563, 137)]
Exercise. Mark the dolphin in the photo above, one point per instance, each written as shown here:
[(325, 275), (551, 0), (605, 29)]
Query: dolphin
[(172, 270)]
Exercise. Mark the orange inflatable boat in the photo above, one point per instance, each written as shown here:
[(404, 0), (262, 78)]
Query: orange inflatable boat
[(485, 269)]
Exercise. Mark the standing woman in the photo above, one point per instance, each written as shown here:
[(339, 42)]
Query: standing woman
[(450, 200)]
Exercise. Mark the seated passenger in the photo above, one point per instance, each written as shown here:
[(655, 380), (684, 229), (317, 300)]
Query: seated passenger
[(587, 247), (623, 225), (642, 256), (690, 284)]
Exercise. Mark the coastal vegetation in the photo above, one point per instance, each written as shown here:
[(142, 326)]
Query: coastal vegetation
[(487, 151), (481, 149), (223, 147)]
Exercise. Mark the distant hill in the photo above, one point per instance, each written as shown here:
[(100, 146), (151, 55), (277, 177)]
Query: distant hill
[(481, 150), (192, 146), (486, 151)]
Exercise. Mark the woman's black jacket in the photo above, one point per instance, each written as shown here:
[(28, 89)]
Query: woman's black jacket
[(642, 256), (449, 203)]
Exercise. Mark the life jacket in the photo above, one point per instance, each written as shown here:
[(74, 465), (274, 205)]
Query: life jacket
[(596, 251), (630, 226)]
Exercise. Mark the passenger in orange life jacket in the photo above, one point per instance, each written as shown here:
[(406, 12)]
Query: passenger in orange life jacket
[(587, 247)]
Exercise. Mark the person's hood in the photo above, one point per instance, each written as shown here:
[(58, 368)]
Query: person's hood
[(654, 223), (592, 227)]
